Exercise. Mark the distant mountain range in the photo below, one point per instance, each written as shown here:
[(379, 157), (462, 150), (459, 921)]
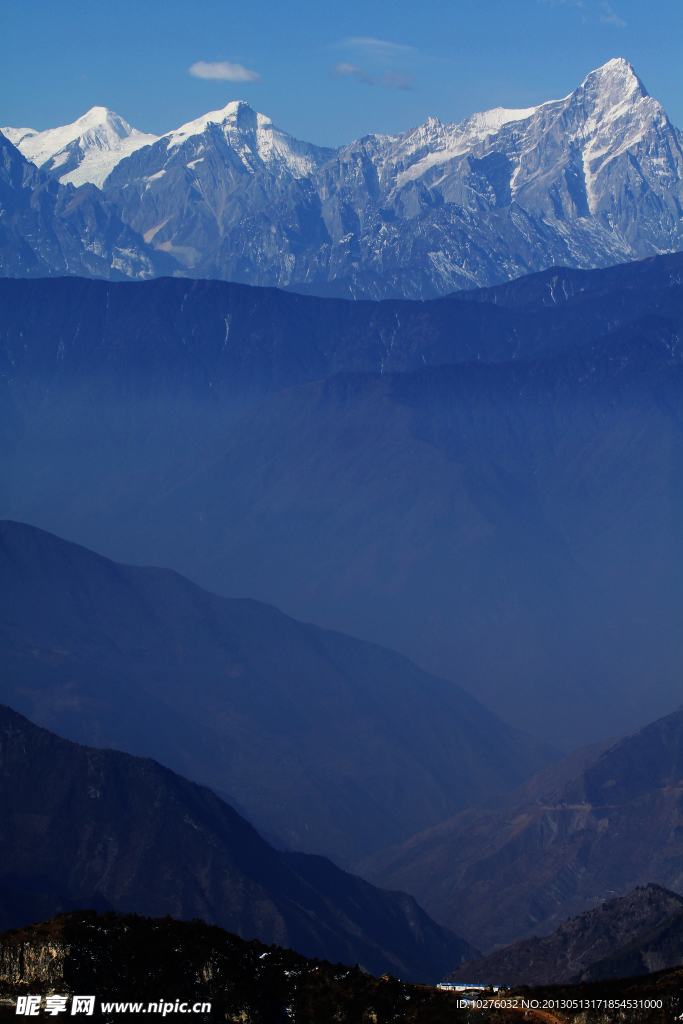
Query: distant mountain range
[(586, 181), (518, 867), (328, 744), (489, 483), (102, 828)]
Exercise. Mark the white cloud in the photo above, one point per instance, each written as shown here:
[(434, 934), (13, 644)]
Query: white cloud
[(224, 71)]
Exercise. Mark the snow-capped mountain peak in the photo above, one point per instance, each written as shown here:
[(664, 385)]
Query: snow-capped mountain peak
[(15, 135), (225, 115), (588, 179), (614, 83), (87, 149), (491, 120), (447, 142), (253, 136)]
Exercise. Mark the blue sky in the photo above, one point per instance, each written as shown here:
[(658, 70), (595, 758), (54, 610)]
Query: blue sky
[(327, 72)]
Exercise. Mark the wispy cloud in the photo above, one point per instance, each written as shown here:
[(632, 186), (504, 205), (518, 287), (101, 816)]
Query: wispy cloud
[(610, 17), (224, 71), (345, 70), (378, 52), (393, 79), (379, 49), (390, 79), (603, 10)]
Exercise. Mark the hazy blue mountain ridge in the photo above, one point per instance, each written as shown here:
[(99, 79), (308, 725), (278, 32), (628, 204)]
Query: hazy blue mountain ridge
[(582, 948), (332, 744), (510, 523)]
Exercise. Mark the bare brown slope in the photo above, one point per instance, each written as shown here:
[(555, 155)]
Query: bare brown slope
[(571, 952), (498, 874)]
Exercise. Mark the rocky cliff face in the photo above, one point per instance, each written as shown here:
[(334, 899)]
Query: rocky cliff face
[(35, 966), (48, 229)]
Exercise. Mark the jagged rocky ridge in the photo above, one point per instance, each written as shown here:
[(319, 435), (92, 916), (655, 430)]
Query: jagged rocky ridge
[(50, 229), (99, 828), (585, 181)]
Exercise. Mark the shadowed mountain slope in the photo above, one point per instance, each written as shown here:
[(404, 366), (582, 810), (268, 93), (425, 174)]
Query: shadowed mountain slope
[(83, 824), (659, 949), (333, 744), (497, 874), (215, 340)]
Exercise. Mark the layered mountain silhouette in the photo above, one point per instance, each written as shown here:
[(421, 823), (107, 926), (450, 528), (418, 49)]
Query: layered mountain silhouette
[(510, 521), (589, 180), (332, 744), (606, 942), (518, 868), (86, 825)]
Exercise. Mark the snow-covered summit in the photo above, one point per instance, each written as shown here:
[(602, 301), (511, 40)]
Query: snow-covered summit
[(446, 142), (87, 150), (226, 115), (15, 135), (614, 83), (496, 118), (252, 135)]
